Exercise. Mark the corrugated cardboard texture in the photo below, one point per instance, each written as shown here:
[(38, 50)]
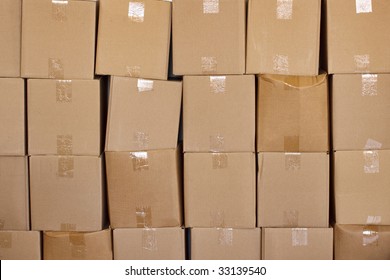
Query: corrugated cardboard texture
[(292, 114), (297, 244), (14, 198), (67, 193), (357, 40), (361, 111), (225, 244), (10, 28), (143, 114), (355, 242), (134, 38), (64, 117), (208, 39), (58, 40), (214, 111), (144, 189), (77, 245), (220, 190), (293, 190), (149, 244), (283, 37), (361, 186), (12, 117), (20, 245)]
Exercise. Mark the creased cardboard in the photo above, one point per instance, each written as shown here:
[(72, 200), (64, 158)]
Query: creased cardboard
[(20, 245)]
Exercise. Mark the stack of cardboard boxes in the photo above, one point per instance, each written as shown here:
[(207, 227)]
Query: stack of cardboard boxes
[(16, 239), (360, 62), (144, 170)]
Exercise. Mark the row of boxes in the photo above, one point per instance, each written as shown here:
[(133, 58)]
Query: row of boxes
[(53, 45)]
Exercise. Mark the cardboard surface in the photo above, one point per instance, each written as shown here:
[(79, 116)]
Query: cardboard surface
[(358, 36), (14, 197), (225, 244), (358, 242), (361, 111), (10, 29), (293, 190), (67, 193), (143, 114), (134, 38), (144, 188), (64, 117), (58, 39), (292, 114), (149, 244), (297, 244), (220, 190), (20, 245), (208, 38), (283, 37), (214, 111), (77, 245), (361, 186), (12, 117)]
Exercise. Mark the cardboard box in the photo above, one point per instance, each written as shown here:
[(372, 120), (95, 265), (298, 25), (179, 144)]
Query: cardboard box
[(292, 114), (144, 188), (293, 190), (225, 244), (12, 117), (361, 111), (274, 44), (297, 244), (134, 38), (149, 244), (220, 190), (20, 245), (14, 197), (10, 28), (357, 36), (361, 186), (143, 114), (65, 117), (77, 245), (58, 39), (67, 193), (355, 242), (208, 37), (214, 111)]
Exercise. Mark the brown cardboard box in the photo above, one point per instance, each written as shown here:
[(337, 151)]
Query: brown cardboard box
[(361, 186), (225, 244), (297, 244), (220, 190), (20, 245), (149, 244), (361, 111), (144, 188), (143, 114), (293, 190), (10, 27), (67, 193), (77, 245), (134, 38), (12, 117), (64, 117), (355, 242), (292, 114), (208, 37), (283, 37), (358, 36), (58, 39), (214, 111), (14, 198)]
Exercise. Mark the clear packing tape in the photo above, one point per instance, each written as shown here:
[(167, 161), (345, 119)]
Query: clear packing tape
[(136, 11), (77, 245), (299, 237), (5, 240), (284, 9), (363, 6), (210, 6), (369, 84)]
